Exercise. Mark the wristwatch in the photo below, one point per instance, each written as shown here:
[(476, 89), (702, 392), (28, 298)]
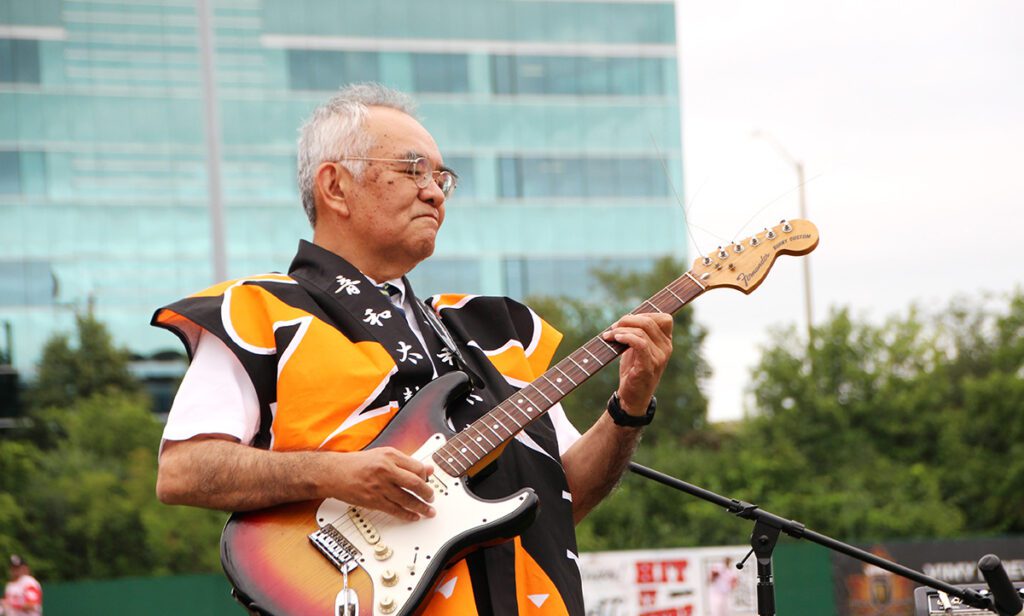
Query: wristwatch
[(622, 418)]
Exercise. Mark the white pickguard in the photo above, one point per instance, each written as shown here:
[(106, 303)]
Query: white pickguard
[(414, 545)]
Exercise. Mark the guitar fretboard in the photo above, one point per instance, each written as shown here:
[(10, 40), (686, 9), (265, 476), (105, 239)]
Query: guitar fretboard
[(487, 434)]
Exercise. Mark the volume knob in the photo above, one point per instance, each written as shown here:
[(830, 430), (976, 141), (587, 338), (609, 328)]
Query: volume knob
[(386, 605), (382, 552), (388, 577)]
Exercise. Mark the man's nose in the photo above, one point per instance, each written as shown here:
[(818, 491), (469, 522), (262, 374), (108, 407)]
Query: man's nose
[(432, 194)]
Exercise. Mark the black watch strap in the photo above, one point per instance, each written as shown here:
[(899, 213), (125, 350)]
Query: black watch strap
[(622, 418)]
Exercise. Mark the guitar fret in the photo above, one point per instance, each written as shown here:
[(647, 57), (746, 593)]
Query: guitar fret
[(589, 352), (608, 346), (453, 451), (649, 302), (474, 442), (482, 435), (537, 389), (519, 408), (493, 430), (552, 384), (562, 372), (702, 287), (510, 432), (582, 369), (513, 419), (669, 289), (459, 450)]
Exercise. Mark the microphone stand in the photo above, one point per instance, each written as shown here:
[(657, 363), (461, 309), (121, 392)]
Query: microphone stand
[(765, 535)]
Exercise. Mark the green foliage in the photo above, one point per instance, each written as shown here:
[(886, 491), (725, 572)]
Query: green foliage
[(77, 491), (904, 429)]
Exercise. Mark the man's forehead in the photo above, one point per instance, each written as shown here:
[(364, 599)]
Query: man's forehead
[(394, 128)]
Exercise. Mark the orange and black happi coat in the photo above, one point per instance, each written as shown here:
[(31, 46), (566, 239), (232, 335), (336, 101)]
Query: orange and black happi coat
[(333, 361)]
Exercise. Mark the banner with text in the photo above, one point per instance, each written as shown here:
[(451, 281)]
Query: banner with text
[(669, 582)]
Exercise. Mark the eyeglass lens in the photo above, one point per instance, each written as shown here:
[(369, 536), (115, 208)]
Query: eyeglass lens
[(424, 172)]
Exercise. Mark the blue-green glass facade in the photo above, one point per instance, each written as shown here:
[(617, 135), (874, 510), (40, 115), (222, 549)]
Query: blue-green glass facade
[(557, 116)]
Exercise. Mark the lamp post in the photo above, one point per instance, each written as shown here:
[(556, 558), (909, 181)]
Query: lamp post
[(806, 259)]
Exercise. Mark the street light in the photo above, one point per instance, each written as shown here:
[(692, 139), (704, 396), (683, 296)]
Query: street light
[(806, 259)]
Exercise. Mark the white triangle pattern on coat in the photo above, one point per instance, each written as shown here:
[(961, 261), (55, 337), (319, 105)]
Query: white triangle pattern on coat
[(537, 600), (448, 587)]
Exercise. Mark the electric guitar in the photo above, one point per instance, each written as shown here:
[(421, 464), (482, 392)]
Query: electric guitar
[(327, 558)]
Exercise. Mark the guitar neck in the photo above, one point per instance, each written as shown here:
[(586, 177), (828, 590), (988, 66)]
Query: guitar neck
[(491, 432)]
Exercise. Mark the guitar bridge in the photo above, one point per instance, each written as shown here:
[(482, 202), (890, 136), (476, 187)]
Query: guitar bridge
[(335, 547)]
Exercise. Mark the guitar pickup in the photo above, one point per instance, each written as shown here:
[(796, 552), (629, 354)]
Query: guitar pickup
[(335, 547), (364, 526)]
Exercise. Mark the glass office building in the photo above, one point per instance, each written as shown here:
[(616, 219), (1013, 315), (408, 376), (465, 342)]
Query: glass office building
[(561, 117)]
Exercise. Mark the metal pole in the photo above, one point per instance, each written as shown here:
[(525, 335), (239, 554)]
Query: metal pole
[(204, 26), (799, 167), (806, 261)]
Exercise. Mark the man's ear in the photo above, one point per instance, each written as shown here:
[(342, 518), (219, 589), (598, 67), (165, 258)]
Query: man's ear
[(330, 184)]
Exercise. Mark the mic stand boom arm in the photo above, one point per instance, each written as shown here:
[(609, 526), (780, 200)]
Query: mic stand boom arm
[(765, 535)]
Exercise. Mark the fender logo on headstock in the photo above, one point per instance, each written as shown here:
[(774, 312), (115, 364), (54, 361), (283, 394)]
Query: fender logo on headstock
[(743, 265), (746, 278)]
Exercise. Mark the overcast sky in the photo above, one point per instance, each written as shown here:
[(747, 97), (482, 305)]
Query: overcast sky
[(909, 119)]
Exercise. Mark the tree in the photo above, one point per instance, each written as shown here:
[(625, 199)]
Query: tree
[(68, 373), (77, 490)]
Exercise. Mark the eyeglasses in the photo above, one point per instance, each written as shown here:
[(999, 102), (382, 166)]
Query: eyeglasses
[(422, 171)]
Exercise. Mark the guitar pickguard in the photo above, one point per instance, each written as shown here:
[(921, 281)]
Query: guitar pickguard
[(403, 558)]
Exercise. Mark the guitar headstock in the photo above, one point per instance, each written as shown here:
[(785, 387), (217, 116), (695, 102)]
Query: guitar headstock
[(744, 264)]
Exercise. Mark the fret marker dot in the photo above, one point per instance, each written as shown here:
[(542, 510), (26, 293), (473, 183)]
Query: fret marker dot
[(463, 450), (478, 439), (529, 408), (451, 459), (495, 426), (520, 401), (558, 380), (585, 360)]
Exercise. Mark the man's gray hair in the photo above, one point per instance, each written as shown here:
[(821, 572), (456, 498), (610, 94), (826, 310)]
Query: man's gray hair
[(335, 131)]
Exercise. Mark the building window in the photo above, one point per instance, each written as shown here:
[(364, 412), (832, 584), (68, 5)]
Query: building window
[(22, 172), (440, 72), (10, 173), (579, 76), (528, 177), (312, 69), (565, 277), (27, 283), (19, 61), (446, 275), (463, 166)]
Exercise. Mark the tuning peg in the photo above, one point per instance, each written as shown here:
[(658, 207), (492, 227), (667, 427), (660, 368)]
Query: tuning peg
[(706, 260), (754, 241), (786, 227), (722, 254), (737, 247), (770, 234)]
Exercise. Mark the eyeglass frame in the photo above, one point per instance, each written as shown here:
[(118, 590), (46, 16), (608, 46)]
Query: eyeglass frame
[(422, 181)]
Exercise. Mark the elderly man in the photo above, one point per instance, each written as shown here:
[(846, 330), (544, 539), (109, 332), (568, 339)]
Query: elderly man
[(292, 376)]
